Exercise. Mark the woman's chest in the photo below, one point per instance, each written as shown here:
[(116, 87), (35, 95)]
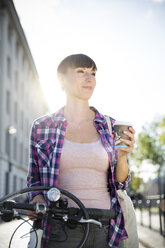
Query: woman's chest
[(88, 156), (84, 134)]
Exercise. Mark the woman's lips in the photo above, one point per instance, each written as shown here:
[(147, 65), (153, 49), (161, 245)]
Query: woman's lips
[(87, 87)]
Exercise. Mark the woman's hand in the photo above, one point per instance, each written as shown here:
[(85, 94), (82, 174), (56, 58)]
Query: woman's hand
[(122, 165), (125, 151), (37, 198)]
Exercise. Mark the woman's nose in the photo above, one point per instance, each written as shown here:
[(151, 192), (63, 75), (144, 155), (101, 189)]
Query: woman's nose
[(88, 76)]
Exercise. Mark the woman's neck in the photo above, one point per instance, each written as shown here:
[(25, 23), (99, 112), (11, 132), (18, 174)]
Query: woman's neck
[(78, 111)]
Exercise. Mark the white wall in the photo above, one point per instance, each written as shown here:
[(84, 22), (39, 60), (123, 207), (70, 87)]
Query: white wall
[(25, 91)]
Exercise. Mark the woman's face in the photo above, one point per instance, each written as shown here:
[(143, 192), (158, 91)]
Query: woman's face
[(79, 82)]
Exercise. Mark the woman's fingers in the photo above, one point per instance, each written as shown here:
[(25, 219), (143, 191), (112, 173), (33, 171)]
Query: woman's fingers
[(128, 142), (31, 215), (129, 134), (37, 198), (132, 130)]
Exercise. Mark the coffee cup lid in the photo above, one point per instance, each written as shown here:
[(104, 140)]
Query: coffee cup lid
[(124, 123)]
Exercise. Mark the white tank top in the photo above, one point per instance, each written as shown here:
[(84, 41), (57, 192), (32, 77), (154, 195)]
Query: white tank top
[(83, 172)]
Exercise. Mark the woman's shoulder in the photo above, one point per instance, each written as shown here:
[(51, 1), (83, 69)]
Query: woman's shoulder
[(49, 119), (44, 119)]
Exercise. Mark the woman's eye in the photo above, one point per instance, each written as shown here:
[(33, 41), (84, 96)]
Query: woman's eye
[(81, 71)]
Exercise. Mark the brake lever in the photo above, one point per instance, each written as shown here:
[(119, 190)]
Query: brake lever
[(82, 220)]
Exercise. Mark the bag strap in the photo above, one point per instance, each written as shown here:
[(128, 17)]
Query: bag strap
[(109, 124)]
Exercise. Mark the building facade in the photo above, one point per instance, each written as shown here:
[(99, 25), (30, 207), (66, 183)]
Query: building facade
[(21, 100)]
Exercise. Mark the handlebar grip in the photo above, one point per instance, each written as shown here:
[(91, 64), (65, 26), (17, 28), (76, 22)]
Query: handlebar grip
[(14, 205), (25, 206), (95, 213)]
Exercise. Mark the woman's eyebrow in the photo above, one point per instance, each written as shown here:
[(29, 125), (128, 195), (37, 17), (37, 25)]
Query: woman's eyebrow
[(85, 68)]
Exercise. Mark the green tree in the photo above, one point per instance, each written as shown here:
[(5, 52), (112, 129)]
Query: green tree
[(150, 144), (162, 127), (135, 182)]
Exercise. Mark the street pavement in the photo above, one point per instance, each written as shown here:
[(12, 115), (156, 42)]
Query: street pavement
[(148, 237), (6, 231), (141, 246)]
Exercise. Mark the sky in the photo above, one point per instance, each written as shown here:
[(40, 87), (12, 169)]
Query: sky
[(125, 38)]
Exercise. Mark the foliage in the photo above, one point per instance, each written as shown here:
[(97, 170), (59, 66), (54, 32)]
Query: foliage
[(135, 181), (150, 144), (162, 136)]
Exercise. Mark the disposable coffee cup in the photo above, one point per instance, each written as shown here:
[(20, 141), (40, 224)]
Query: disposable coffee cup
[(119, 128)]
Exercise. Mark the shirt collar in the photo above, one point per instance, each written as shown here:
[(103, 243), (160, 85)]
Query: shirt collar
[(99, 117), (58, 117)]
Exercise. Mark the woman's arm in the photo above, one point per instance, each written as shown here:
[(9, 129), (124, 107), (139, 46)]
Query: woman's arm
[(33, 178), (122, 169)]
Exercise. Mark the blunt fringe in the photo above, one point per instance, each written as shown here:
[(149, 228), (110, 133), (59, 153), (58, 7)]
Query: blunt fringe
[(75, 61)]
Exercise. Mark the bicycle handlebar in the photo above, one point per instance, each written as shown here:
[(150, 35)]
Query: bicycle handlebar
[(8, 209), (101, 213), (43, 208)]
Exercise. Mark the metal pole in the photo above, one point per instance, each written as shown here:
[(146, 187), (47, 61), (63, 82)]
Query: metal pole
[(149, 205), (160, 212)]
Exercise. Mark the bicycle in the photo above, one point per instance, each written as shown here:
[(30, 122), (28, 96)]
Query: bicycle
[(58, 210)]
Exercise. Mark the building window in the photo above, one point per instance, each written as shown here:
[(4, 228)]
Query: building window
[(27, 128), (15, 148), (22, 183), (8, 67), (21, 154), (22, 90), (16, 80), (26, 124), (7, 145), (9, 34), (14, 183), (15, 112), (22, 120), (27, 156), (7, 183), (17, 49), (23, 60), (8, 102)]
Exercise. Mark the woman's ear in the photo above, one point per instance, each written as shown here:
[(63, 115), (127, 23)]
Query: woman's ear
[(60, 76), (62, 87), (61, 80)]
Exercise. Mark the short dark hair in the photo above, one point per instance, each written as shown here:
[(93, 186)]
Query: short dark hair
[(75, 61)]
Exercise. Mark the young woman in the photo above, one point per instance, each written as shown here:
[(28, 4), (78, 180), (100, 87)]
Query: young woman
[(73, 149)]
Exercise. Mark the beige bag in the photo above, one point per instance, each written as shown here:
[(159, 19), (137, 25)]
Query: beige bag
[(128, 211)]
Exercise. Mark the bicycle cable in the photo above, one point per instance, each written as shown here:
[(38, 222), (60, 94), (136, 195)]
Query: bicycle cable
[(24, 221)]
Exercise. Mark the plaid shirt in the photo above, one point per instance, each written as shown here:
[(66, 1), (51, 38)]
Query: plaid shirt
[(46, 142)]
